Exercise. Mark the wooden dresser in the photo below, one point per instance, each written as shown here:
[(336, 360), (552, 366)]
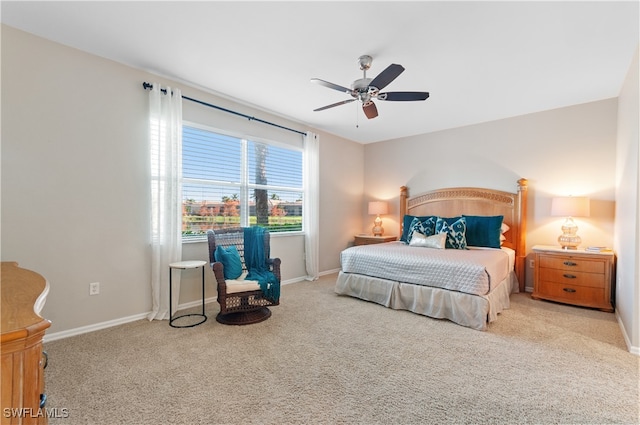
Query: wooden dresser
[(23, 361), (574, 277)]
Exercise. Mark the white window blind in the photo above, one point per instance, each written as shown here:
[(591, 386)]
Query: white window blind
[(232, 181)]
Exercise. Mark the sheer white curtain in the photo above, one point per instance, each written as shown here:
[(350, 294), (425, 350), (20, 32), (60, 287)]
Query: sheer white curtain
[(311, 208), (165, 139)]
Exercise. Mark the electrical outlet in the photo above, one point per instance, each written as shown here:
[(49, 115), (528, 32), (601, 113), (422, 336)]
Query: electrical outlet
[(532, 264), (94, 288)]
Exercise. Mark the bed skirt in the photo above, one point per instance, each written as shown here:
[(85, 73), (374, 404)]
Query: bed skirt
[(473, 311)]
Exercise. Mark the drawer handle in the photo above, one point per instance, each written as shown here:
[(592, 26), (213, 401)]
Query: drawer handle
[(45, 357), (569, 276), (43, 400), (568, 290), (570, 263)]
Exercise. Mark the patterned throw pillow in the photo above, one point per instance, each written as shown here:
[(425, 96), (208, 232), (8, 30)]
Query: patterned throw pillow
[(456, 229), (408, 219), (426, 227), (430, 226)]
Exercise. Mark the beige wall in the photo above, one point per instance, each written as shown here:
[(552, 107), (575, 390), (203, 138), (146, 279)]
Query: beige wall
[(75, 181), (341, 191), (627, 229), (74, 192), (568, 151)]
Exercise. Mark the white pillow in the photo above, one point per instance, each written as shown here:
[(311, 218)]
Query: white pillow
[(503, 229), (436, 241)]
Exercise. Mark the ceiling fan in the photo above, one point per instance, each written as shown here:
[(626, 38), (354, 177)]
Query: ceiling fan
[(366, 89)]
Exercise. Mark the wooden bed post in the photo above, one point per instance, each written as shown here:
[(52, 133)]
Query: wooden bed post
[(404, 194), (521, 242)]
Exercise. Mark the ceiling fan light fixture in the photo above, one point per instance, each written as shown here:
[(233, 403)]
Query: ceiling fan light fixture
[(370, 110), (361, 84), (365, 62)]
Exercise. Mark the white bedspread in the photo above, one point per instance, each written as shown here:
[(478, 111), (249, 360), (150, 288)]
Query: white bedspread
[(469, 271)]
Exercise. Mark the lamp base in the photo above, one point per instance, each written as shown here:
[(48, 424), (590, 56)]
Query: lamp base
[(377, 229), (569, 239), (567, 247)]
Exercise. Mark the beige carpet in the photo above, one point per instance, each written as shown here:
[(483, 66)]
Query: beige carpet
[(328, 359)]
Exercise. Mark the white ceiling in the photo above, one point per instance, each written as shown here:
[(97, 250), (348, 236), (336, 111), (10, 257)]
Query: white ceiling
[(480, 61)]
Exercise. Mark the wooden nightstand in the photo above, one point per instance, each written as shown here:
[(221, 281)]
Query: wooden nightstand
[(575, 277), (370, 239)]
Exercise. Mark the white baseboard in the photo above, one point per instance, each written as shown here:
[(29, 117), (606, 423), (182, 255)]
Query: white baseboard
[(632, 349), (95, 327), (290, 281)]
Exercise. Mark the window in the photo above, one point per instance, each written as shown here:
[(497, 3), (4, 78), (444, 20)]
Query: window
[(229, 181)]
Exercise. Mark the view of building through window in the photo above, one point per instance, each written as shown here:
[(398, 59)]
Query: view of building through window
[(229, 182)]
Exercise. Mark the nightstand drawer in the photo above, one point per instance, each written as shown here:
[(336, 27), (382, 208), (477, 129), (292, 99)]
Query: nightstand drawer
[(570, 277), (572, 263), (573, 294)]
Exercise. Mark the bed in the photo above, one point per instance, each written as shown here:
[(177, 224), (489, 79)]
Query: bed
[(469, 285)]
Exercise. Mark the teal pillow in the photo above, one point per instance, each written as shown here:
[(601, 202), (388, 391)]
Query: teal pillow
[(426, 227), (427, 221), (456, 229), (484, 230), (230, 259)]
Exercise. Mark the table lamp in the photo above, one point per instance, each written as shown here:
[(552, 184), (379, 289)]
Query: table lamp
[(569, 207), (377, 208)]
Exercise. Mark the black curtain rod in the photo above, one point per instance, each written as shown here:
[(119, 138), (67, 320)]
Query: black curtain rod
[(148, 86)]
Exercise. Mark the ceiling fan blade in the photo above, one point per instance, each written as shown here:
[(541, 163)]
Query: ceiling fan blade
[(370, 110), (334, 104), (403, 96), (331, 85), (387, 76)]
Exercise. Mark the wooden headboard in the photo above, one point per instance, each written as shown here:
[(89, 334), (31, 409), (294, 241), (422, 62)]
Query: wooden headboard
[(456, 201)]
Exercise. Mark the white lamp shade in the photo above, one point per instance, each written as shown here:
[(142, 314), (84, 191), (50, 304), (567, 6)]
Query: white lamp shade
[(570, 206), (378, 207)]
